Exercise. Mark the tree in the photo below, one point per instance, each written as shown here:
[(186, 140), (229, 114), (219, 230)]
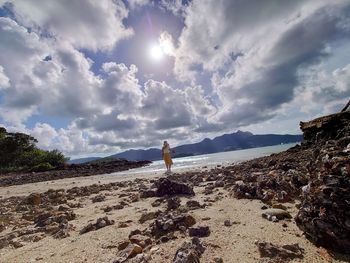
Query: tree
[(13, 145), (19, 151)]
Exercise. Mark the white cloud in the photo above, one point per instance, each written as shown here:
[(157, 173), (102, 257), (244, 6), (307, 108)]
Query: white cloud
[(175, 6), (137, 3), (82, 23), (201, 106), (45, 134), (4, 80), (265, 61), (254, 51), (165, 106), (166, 43)]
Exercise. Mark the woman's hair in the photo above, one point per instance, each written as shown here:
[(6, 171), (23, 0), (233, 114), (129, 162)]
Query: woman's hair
[(165, 142)]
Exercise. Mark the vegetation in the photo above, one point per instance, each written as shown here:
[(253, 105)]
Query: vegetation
[(18, 152)]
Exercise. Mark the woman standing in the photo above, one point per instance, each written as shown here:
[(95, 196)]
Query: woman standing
[(166, 156)]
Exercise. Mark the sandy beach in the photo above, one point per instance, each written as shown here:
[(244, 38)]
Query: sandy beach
[(232, 243)]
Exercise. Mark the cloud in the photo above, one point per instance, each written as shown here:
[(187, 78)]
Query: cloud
[(137, 3), (327, 92), (226, 29), (45, 134), (165, 106), (236, 64), (120, 89), (42, 85), (200, 105), (95, 25), (4, 80), (166, 43), (177, 7), (254, 72)]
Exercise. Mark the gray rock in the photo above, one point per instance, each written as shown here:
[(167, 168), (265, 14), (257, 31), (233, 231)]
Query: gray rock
[(278, 213)]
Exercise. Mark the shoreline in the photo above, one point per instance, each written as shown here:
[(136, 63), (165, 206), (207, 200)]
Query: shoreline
[(66, 183)]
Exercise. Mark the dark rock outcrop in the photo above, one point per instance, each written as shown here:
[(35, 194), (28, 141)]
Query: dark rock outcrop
[(167, 187), (324, 214), (69, 171)]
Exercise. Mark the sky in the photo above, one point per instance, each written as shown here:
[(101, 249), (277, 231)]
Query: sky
[(92, 78)]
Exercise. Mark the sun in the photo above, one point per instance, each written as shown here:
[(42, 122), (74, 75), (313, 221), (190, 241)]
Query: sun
[(156, 52)]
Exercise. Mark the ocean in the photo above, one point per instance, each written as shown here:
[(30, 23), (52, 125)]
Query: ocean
[(221, 158)]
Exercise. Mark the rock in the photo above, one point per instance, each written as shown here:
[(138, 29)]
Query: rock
[(169, 223), (123, 244), (285, 252), (129, 252), (279, 206), (278, 213), (140, 258), (324, 210), (227, 222), (147, 193), (189, 252), (169, 187), (118, 207), (2, 227), (219, 183), (140, 240), (164, 239), (71, 170), (134, 197), (218, 260), (123, 225), (273, 218), (34, 199), (154, 249), (208, 190), (100, 223), (48, 218), (64, 208), (201, 231), (98, 198), (193, 204), (135, 232), (157, 203), (63, 231), (173, 203), (149, 216), (107, 209), (182, 228), (16, 244)]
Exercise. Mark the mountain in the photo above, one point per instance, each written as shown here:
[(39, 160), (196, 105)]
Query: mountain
[(83, 160), (227, 142), (136, 155)]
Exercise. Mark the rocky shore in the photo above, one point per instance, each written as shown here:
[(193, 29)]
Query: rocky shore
[(70, 171), (287, 207)]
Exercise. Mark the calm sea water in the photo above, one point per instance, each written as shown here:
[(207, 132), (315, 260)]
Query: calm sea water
[(223, 158)]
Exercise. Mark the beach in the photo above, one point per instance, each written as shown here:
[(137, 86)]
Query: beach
[(236, 224)]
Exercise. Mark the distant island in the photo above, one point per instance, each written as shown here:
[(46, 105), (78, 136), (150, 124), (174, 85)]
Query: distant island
[(227, 142)]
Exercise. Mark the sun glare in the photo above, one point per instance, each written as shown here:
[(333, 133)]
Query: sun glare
[(156, 53)]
